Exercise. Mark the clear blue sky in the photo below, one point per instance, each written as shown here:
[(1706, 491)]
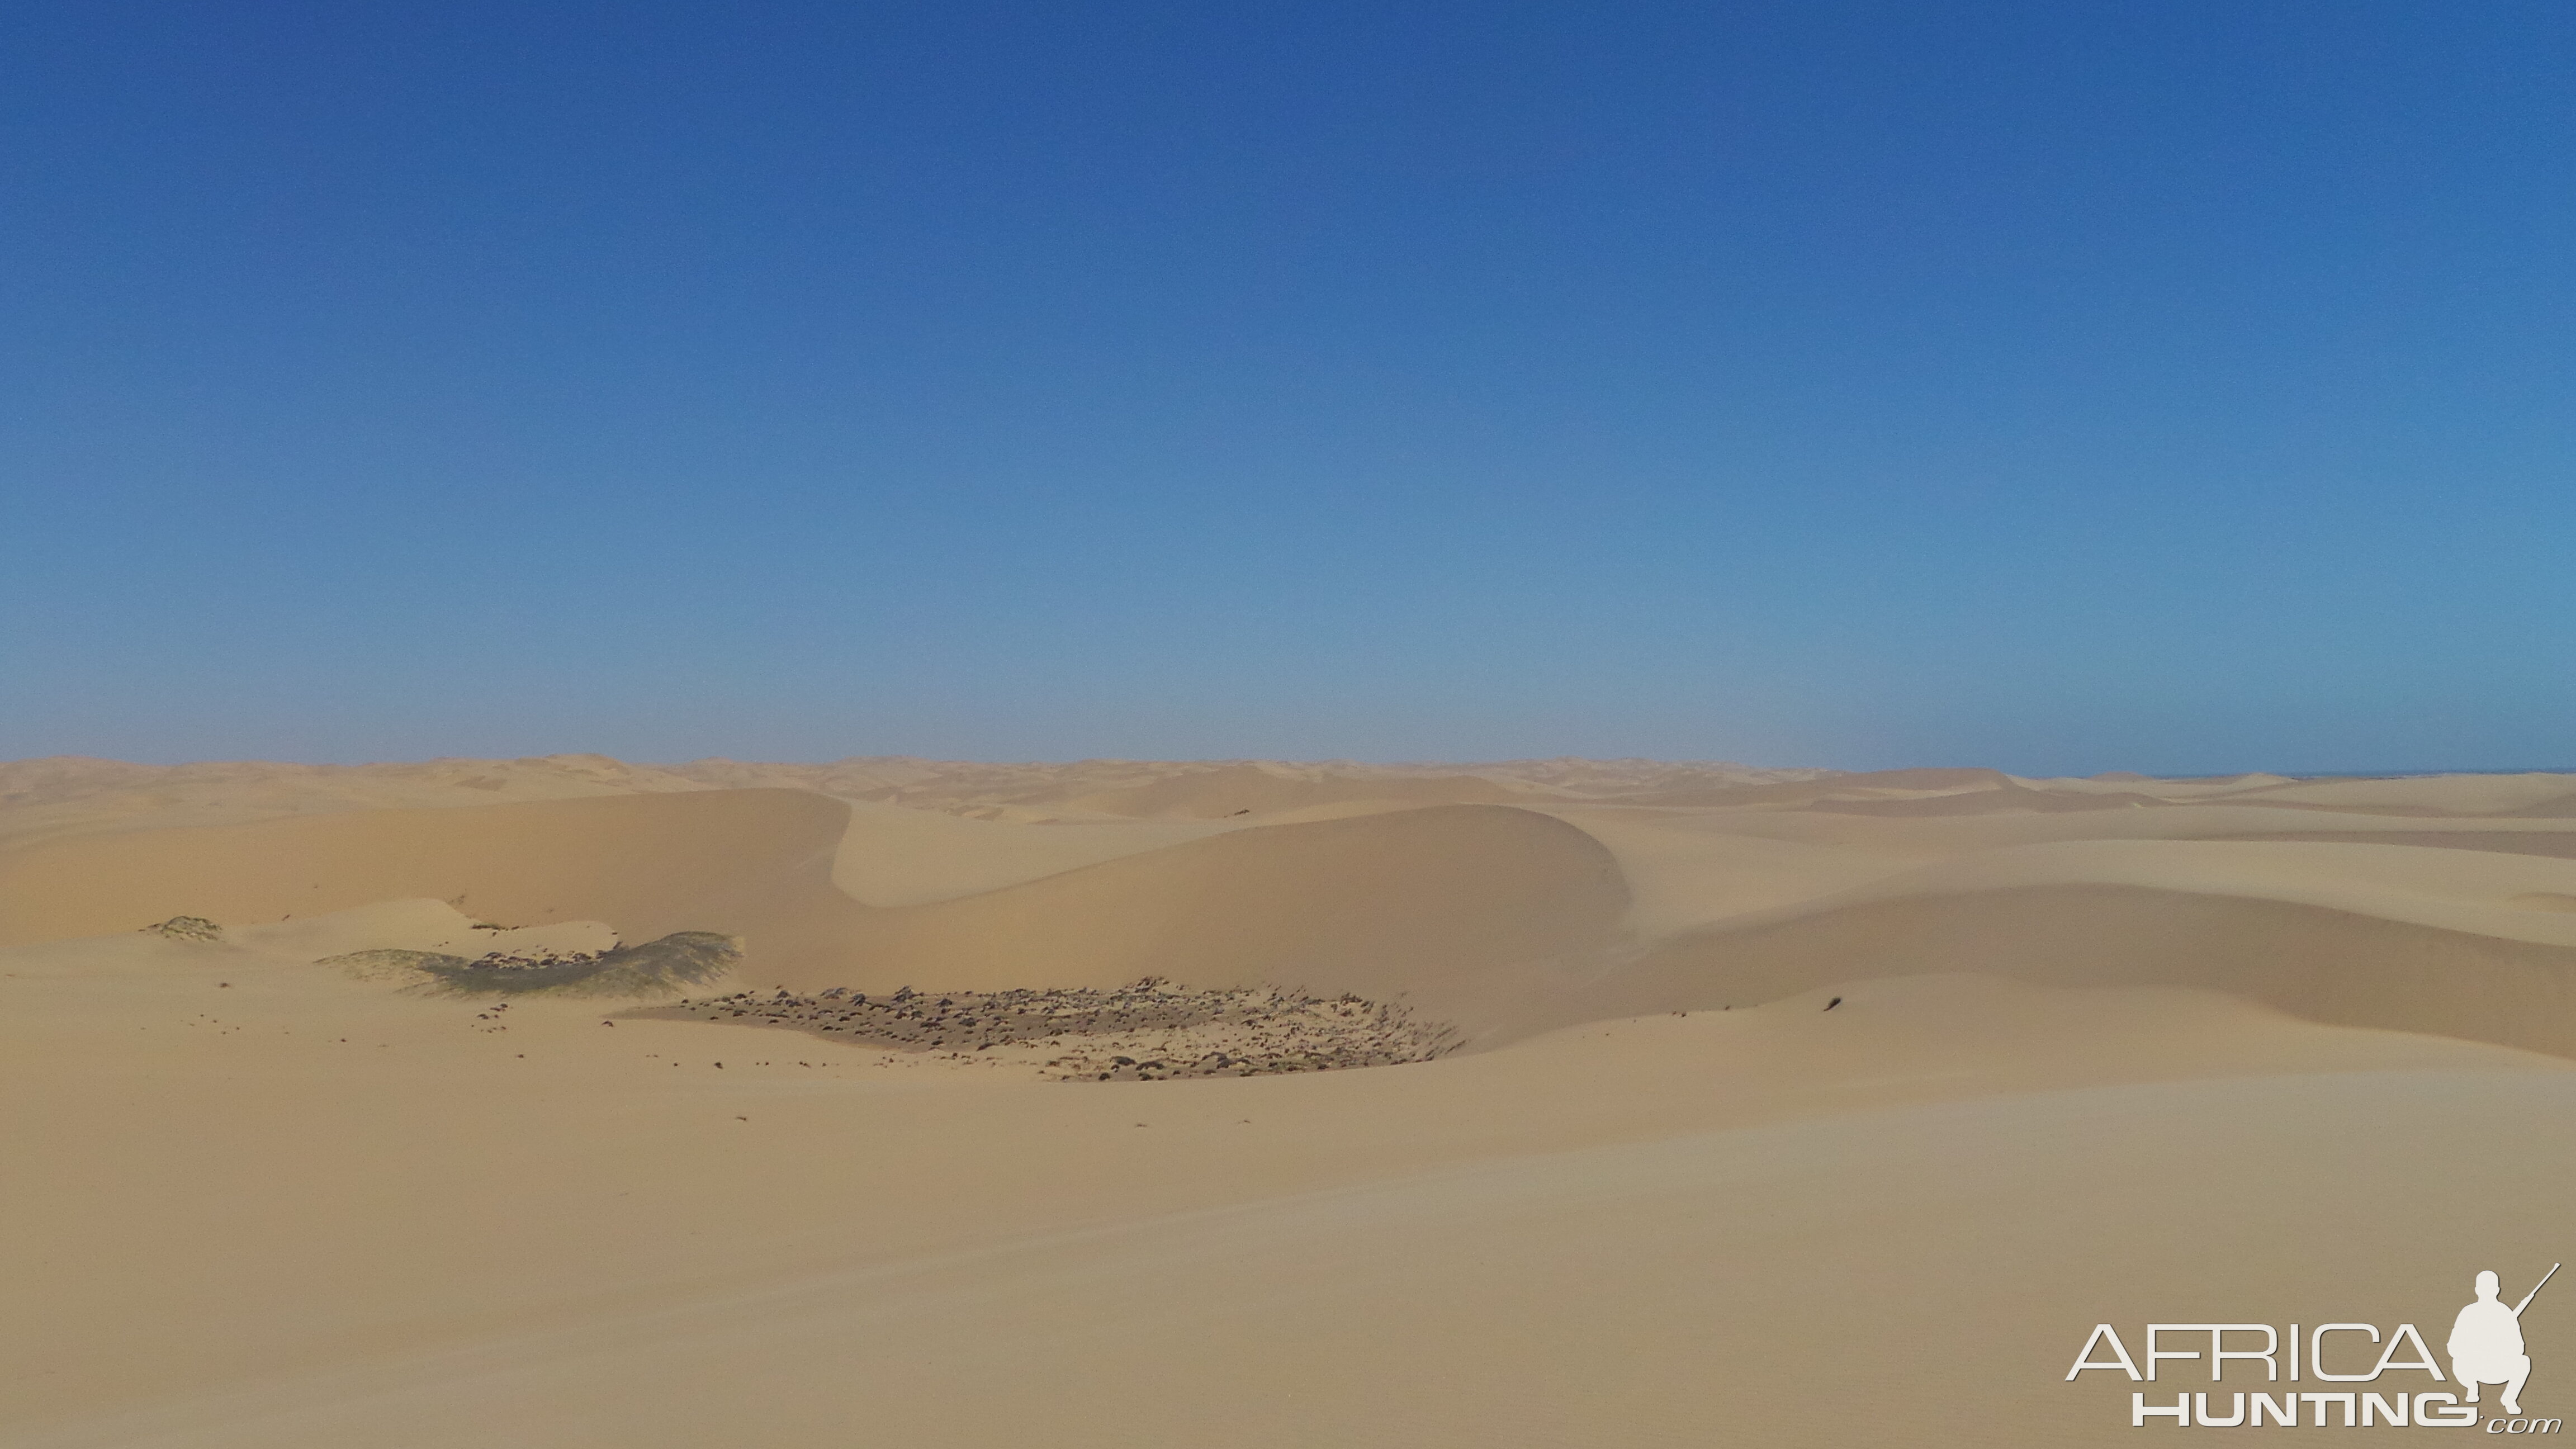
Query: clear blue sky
[(2061, 386)]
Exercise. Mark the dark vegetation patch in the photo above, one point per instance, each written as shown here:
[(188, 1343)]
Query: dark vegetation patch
[(664, 967)]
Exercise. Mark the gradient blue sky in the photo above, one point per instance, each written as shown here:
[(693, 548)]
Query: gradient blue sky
[(2061, 386)]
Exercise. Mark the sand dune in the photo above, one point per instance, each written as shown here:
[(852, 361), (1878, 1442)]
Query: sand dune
[(1872, 785), (1255, 789), (413, 925), (50, 798), (2320, 963), (2552, 796), (1202, 789), (1455, 910), (2455, 890), (646, 864), (2008, 797), (893, 856), (1799, 1108)]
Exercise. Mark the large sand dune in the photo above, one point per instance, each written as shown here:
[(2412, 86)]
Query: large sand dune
[(1798, 1108), (1458, 910)]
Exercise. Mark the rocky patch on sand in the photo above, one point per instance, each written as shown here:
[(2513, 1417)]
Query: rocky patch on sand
[(1148, 1031), (187, 928)]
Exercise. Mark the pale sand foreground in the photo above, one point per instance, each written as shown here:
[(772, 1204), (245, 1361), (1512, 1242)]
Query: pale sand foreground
[(301, 1209)]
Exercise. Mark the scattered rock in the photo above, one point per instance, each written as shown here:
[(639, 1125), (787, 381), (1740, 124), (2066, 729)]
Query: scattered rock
[(1148, 1031), (187, 928)]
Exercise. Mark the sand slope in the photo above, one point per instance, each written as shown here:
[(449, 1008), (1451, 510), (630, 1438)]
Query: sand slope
[(2323, 964), (1637, 1232)]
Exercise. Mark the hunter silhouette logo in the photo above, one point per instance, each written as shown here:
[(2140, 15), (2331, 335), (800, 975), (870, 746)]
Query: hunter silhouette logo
[(2485, 1348), (2486, 1342)]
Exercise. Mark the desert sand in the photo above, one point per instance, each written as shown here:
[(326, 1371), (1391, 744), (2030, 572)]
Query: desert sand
[(1771, 1106)]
